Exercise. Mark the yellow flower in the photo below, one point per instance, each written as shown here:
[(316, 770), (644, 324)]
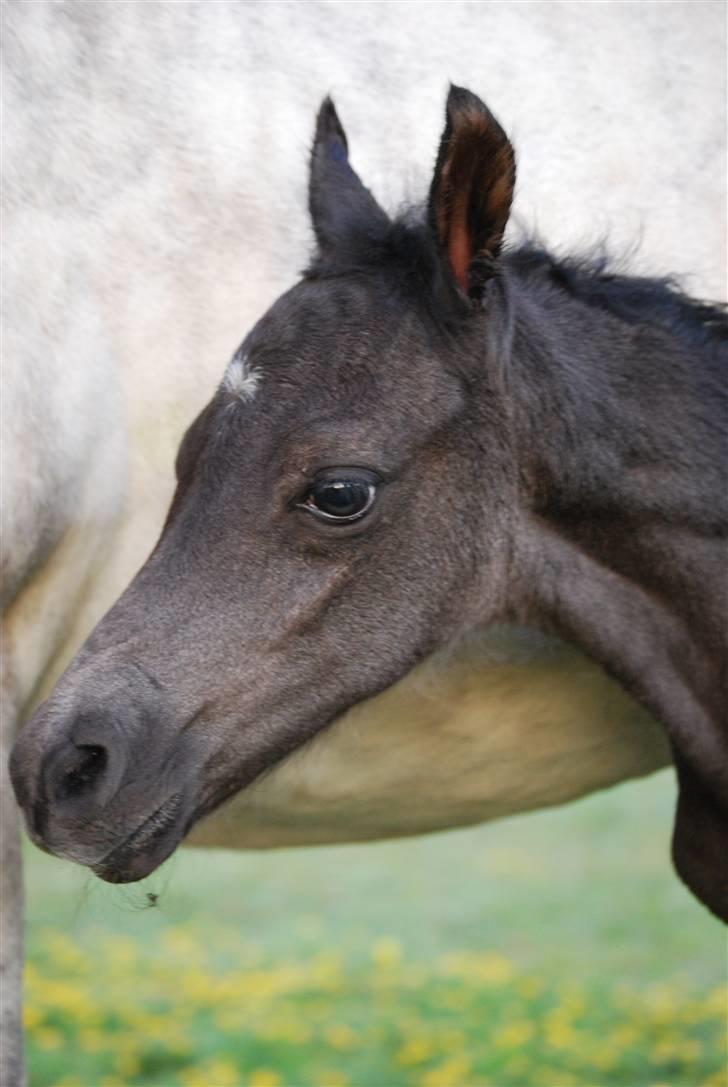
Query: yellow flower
[(414, 1051), (529, 987), (716, 1002), (64, 953), (216, 1073), (65, 997), (692, 1012), (274, 1028), (263, 1077), (451, 1073), (455, 999), (559, 1032), (513, 1035), (386, 953), (127, 1063), (625, 1036), (663, 1004), (604, 1057), (194, 1077), (490, 968), (689, 1051), (549, 1077), (331, 1078), (718, 1079), (325, 972), (414, 976), (494, 968), (340, 1036), (666, 1050), (573, 1001), (182, 945), (451, 1038), (32, 1016), (93, 1041)]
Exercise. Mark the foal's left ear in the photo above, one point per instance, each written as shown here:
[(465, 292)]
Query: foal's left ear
[(472, 190), (342, 209)]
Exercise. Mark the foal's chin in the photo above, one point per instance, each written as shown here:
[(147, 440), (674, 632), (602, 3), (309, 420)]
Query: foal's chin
[(148, 846)]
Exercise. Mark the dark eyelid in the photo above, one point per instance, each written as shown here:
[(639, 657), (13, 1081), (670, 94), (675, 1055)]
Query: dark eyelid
[(347, 471), (292, 486), (367, 477), (338, 472), (343, 519)]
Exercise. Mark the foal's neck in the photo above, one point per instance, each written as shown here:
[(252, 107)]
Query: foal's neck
[(620, 545), (623, 471)]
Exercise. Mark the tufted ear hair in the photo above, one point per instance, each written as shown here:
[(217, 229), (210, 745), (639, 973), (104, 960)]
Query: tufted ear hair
[(471, 191), (343, 211)]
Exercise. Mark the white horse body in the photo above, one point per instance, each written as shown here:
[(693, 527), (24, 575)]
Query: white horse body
[(155, 161)]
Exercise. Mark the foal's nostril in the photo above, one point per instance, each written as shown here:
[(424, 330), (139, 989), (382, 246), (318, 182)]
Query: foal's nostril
[(82, 775)]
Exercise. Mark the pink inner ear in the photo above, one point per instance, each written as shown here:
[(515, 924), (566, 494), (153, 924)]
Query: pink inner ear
[(458, 251)]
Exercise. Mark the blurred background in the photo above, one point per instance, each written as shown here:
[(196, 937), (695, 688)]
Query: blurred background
[(553, 949), (160, 154)]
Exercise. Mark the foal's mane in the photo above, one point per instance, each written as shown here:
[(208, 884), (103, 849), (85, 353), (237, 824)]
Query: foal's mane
[(406, 252), (598, 280)]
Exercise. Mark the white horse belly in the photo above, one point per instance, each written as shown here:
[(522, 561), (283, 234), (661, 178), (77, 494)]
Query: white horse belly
[(506, 722)]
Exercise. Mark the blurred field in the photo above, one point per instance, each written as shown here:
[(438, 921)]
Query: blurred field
[(551, 949)]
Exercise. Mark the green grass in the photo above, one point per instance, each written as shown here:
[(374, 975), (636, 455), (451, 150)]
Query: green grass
[(551, 949)]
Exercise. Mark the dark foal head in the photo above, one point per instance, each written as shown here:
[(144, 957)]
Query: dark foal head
[(329, 526)]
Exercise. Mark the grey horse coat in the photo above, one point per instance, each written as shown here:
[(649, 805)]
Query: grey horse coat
[(143, 157)]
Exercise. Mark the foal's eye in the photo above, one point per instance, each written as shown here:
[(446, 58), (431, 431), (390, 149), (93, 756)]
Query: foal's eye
[(341, 497)]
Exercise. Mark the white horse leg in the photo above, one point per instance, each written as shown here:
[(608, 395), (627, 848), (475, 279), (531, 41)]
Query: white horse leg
[(12, 1071)]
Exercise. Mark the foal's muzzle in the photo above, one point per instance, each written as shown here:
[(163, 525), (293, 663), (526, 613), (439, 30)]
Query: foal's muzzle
[(98, 777)]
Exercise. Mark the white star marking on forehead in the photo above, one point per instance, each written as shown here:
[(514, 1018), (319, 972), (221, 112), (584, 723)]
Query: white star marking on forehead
[(241, 379)]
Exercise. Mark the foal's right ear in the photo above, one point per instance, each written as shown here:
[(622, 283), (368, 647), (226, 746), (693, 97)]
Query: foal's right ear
[(342, 209), (472, 190)]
